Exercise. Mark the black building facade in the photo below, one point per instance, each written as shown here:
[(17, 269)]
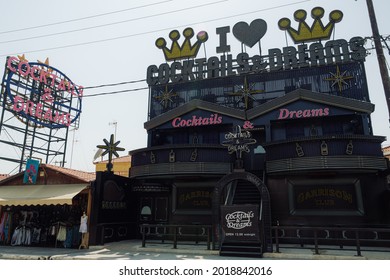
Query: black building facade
[(308, 110)]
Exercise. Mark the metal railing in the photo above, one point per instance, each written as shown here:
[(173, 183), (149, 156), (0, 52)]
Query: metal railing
[(339, 236), (174, 232), (114, 231)]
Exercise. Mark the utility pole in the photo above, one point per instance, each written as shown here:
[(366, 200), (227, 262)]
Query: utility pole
[(379, 53)]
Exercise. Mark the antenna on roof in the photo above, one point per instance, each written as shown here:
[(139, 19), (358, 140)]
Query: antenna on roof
[(115, 124), (98, 154)]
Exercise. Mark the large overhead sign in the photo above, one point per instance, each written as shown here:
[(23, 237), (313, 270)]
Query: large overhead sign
[(186, 67), (40, 95)]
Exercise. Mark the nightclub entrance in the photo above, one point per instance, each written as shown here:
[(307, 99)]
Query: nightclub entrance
[(254, 218), (152, 206)]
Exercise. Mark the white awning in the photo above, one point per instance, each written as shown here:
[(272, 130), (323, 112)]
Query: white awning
[(39, 194)]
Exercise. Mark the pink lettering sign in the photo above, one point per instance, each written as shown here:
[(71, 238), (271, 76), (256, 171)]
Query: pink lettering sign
[(56, 102), (37, 73), (197, 121), (307, 113)]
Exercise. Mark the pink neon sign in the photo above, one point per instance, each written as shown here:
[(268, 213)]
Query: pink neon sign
[(306, 113), (42, 95), (197, 121)]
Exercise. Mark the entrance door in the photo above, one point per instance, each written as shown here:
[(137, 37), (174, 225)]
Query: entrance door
[(265, 207), (153, 210)]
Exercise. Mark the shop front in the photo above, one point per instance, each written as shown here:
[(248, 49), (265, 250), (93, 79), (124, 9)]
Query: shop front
[(47, 213)]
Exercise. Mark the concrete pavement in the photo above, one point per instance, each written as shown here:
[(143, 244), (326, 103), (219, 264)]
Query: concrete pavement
[(132, 249)]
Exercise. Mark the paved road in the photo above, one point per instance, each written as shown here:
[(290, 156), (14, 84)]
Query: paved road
[(132, 250)]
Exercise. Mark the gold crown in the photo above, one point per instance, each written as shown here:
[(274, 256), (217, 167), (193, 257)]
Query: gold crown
[(186, 50), (316, 31)]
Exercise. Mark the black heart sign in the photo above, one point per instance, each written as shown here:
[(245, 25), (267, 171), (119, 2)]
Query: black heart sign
[(249, 35)]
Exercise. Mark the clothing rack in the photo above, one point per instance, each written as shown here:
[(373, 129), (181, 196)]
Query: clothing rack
[(39, 227)]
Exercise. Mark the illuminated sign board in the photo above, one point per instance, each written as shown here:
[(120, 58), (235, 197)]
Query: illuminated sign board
[(238, 141), (186, 67), (41, 95)]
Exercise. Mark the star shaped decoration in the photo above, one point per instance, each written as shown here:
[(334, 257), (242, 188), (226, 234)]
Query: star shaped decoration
[(46, 61), (48, 69), (246, 91), (165, 97), (110, 148), (339, 78), (22, 58)]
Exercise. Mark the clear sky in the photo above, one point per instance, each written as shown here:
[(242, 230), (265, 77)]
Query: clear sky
[(97, 42)]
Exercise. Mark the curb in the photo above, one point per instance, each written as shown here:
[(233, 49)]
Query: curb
[(23, 257), (178, 250), (289, 256)]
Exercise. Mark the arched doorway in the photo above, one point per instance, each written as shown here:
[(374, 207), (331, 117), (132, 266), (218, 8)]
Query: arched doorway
[(265, 206)]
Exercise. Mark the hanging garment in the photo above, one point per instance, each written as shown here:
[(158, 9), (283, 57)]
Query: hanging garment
[(27, 236), (52, 230), (43, 235), (23, 217), (83, 224), (21, 236), (16, 237), (7, 228), (76, 236), (2, 224), (36, 234), (61, 236), (69, 236)]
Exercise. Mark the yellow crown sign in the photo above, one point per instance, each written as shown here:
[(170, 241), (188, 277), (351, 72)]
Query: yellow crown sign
[(317, 31), (186, 50)]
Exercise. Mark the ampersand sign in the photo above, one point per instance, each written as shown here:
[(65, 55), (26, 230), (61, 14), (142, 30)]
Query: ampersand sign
[(247, 125)]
